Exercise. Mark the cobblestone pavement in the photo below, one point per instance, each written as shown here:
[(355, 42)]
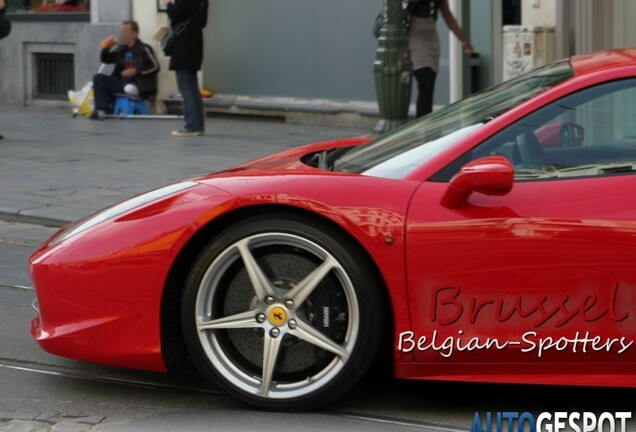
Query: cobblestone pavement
[(58, 169), (49, 422)]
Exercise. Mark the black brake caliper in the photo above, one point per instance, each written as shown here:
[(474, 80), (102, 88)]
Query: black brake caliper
[(326, 310)]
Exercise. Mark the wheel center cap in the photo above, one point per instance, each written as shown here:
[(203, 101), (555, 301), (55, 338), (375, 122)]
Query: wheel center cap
[(277, 316)]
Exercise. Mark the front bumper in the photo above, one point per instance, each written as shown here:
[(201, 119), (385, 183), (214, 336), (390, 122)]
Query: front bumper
[(99, 293)]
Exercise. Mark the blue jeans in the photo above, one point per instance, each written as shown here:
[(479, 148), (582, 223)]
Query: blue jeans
[(192, 102), (105, 87)]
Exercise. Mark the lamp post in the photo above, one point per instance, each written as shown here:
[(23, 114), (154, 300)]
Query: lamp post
[(392, 69)]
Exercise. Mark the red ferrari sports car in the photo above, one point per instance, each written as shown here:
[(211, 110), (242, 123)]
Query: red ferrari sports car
[(461, 244)]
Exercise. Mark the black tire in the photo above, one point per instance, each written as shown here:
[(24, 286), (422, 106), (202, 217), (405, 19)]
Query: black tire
[(309, 369)]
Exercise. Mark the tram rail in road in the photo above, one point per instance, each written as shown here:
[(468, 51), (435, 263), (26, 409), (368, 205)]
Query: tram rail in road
[(27, 366), (30, 367)]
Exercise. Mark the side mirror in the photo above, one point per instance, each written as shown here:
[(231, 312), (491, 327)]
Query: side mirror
[(492, 175), (571, 135)]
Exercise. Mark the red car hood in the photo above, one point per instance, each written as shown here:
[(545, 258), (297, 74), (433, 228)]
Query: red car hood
[(289, 160)]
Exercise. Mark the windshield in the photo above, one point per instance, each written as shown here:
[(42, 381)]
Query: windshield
[(398, 153)]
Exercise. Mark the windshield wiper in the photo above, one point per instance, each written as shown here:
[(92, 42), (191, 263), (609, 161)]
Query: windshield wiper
[(326, 159), (322, 160), (336, 154)]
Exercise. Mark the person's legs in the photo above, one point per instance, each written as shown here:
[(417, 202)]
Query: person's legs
[(104, 88), (425, 78), (192, 102)]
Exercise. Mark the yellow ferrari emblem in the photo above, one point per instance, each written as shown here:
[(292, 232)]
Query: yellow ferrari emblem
[(277, 316)]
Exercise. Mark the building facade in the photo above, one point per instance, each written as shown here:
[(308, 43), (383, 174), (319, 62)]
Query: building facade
[(55, 47), (295, 49)]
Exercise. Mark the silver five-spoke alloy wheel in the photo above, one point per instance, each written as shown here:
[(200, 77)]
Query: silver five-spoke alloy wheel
[(274, 314)]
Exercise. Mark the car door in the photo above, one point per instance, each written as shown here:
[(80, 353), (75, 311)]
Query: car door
[(546, 274)]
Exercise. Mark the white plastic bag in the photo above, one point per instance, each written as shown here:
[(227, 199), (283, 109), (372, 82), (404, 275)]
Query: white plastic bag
[(82, 100)]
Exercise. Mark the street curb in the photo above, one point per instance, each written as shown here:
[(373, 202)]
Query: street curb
[(16, 216), (318, 112)]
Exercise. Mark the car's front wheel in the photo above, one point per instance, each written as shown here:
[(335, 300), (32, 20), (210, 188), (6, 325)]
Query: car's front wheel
[(282, 313)]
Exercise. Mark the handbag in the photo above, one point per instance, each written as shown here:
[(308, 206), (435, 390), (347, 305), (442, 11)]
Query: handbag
[(168, 39)]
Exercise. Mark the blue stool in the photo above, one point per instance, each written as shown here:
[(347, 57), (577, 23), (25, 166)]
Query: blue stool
[(129, 105)]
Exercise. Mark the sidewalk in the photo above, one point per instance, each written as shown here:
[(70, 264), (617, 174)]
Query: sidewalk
[(343, 113), (56, 169)]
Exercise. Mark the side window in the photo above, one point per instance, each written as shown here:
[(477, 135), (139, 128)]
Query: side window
[(589, 133)]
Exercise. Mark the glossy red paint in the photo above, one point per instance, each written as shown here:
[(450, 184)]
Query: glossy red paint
[(99, 293), (491, 175), (509, 280), (542, 261)]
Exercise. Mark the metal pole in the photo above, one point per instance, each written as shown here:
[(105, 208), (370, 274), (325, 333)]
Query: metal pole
[(392, 70)]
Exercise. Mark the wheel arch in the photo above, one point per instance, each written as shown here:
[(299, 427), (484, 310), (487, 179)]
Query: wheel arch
[(172, 342)]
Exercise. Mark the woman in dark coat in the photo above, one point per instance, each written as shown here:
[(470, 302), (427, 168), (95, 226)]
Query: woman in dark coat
[(5, 25), (424, 47), (187, 58)]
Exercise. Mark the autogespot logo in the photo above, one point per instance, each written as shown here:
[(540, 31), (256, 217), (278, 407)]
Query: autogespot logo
[(551, 422)]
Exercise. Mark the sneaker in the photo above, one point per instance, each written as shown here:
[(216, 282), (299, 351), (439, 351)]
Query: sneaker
[(186, 133)]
